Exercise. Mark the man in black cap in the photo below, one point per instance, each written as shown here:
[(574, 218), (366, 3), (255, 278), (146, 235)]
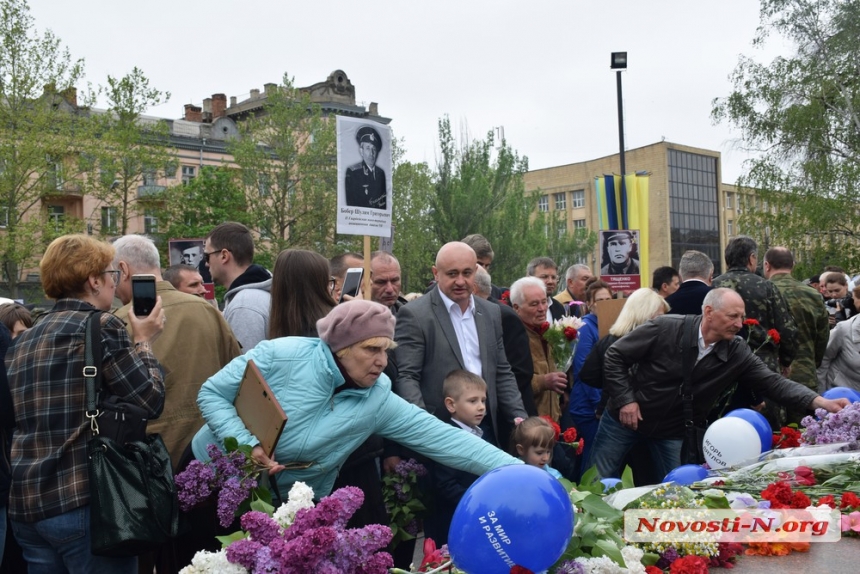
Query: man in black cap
[(618, 254), (365, 182)]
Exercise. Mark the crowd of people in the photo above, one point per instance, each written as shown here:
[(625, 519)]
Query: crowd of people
[(460, 377)]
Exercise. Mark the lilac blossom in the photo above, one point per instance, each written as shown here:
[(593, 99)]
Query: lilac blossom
[(570, 567), (259, 526), (194, 484), (234, 491), (829, 428)]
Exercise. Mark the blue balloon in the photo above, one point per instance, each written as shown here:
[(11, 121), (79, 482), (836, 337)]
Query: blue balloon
[(759, 423), (842, 393), (516, 515), (609, 483), (687, 474)]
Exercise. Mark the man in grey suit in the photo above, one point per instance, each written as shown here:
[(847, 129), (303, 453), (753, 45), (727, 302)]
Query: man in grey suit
[(449, 329)]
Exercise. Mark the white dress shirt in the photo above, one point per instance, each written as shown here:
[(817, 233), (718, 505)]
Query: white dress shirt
[(467, 333)]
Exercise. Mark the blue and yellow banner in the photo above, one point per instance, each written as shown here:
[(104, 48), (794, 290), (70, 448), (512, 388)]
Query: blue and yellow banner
[(625, 208)]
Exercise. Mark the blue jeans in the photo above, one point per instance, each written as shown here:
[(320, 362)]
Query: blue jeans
[(61, 544), (614, 441)]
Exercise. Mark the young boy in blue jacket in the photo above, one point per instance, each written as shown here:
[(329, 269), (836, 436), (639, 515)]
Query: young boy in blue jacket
[(466, 401)]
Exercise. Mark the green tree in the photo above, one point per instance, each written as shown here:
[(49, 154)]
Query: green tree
[(801, 114), (479, 189), (414, 244), (193, 209), (39, 138), (129, 152), (287, 161)]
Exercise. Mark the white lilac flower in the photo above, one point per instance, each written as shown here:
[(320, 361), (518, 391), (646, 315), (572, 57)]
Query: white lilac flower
[(633, 559), (212, 563), (301, 496)]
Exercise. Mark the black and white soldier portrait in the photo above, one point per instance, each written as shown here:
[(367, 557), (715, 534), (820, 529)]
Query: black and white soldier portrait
[(365, 181)]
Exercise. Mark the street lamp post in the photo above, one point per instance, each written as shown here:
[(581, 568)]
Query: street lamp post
[(619, 63)]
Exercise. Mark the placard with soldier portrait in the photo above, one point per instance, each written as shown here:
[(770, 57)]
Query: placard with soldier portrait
[(619, 259), (364, 177)]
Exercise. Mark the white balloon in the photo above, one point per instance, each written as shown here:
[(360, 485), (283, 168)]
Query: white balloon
[(730, 441)]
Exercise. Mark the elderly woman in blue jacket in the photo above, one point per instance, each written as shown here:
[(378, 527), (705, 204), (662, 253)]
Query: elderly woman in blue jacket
[(335, 395)]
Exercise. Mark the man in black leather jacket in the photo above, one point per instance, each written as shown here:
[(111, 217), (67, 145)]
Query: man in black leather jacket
[(647, 405)]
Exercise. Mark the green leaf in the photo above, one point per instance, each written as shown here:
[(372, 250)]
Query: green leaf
[(231, 538), (595, 505), (607, 548), (230, 444), (627, 478)]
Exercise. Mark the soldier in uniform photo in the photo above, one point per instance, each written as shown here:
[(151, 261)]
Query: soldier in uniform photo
[(619, 254), (365, 182)]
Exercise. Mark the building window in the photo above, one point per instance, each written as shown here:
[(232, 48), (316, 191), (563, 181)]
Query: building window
[(4, 217), (56, 215), (579, 198), (560, 201), (189, 172), (55, 174), (730, 227), (170, 169), (150, 177), (263, 184), (109, 220), (694, 221), (150, 221), (578, 224), (730, 200), (543, 204), (561, 229)]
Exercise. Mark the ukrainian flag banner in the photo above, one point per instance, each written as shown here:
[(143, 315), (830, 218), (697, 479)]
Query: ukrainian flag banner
[(625, 208)]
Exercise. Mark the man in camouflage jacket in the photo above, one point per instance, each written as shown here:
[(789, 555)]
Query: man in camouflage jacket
[(807, 309), (765, 304)]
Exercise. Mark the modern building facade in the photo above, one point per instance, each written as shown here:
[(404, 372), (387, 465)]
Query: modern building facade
[(687, 202)]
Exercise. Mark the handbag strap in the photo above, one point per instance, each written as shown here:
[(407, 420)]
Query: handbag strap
[(686, 390), (92, 367)]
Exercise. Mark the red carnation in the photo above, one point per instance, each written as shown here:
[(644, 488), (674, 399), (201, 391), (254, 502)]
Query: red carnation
[(804, 476), (543, 327), (849, 500), (506, 297), (580, 447), (774, 336), (652, 570), (828, 500), (569, 435), (520, 570), (690, 564), (569, 333), (750, 322)]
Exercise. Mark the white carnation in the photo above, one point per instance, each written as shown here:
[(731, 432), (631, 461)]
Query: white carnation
[(601, 565)]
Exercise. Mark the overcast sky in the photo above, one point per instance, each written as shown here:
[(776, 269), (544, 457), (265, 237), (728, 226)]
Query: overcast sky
[(539, 69)]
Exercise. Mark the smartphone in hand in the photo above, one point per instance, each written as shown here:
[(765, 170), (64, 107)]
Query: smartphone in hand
[(352, 282), (143, 294)]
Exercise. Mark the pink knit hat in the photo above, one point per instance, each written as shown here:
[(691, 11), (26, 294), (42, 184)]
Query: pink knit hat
[(355, 321)]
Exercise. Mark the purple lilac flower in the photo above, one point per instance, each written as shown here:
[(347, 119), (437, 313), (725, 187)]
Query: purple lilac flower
[(233, 492), (265, 562), (333, 510), (413, 527), (260, 526), (194, 484), (570, 567), (405, 467), (244, 552), (829, 428), (666, 558), (303, 553), (379, 563)]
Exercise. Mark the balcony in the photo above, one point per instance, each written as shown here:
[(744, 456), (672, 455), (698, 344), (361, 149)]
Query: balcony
[(150, 190)]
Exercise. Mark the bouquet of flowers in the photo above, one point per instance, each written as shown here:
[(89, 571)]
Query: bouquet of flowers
[(827, 428), (560, 336), (233, 474), (771, 335), (402, 499), (300, 537)]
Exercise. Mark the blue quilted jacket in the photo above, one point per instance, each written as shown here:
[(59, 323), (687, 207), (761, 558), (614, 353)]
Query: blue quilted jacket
[(324, 427)]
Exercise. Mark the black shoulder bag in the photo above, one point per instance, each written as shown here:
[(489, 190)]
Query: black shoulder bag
[(133, 504), (691, 452)]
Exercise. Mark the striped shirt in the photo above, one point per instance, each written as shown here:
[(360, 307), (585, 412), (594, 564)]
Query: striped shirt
[(45, 369)]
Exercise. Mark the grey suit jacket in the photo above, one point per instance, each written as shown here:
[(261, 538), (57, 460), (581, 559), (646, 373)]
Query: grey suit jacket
[(427, 350)]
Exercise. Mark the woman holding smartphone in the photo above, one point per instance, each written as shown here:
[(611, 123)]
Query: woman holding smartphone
[(50, 496)]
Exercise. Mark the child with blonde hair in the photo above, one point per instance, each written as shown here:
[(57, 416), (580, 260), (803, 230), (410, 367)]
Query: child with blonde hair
[(532, 441)]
